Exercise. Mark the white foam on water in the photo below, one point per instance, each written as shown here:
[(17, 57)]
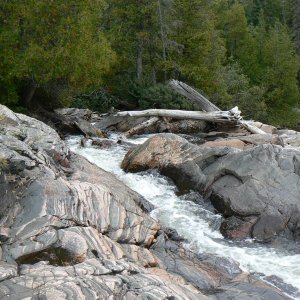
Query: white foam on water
[(191, 220)]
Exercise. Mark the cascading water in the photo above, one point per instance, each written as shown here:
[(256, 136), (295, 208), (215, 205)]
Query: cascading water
[(194, 222)]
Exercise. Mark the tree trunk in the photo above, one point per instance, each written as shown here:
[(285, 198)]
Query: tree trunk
[(207, 106), (232, 116), (162, 34), (251, 128), (30, 92), (140, 128), (193, 95), (139, 61)]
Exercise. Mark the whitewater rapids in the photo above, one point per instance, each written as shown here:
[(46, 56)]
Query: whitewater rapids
[(197, 223)]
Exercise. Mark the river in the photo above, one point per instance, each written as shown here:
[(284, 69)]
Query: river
[(195, 222)]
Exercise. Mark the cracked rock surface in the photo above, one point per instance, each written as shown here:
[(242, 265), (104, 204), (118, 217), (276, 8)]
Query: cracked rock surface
[(70, 230)]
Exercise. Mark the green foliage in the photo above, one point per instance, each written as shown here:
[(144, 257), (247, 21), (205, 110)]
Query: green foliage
[(273, 10), (237, 52), (162, 96), (134, 31), (293, 18), (267, 57), (3, 163), (46, 42), (235, 28), (99, 100), (281, 67), (285, 117), (203, 49), (250, 99)]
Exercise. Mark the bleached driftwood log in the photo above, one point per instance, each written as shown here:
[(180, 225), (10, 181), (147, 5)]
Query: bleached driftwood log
[(231, 116), (139, 128), (193, 96), (206, 105), (210, 113), (251, 127)]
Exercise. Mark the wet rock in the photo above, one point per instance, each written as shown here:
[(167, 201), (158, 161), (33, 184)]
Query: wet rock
[(72, 235), (235, 180), (82, 234), (287, 288), (103, 143), (246, 291), (268, 226), (198, 272), (219, 277), (173, 235), (236, 228), (223, 265), (83, 141), (86, 128)]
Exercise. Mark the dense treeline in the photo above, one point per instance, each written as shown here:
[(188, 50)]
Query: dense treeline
[(121, 53)]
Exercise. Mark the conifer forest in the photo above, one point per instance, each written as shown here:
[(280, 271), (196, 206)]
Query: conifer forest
[(121, 54)]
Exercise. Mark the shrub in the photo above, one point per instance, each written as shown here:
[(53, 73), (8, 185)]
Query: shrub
[(100, 100), (162, 96)]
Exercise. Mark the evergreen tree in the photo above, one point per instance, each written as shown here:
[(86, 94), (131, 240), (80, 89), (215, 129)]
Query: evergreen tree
[(281, 67), (273, 10), (203, 50), (54, 46), (235, 28), (296, 24), (134, 30)]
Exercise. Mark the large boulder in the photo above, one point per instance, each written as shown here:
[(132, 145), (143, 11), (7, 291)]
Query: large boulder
[(290, 137), (70, 230), (72, 121), (260, 184)]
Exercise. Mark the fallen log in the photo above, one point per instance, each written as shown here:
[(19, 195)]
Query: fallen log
[(193, 96), (139, 128), (209, 113), (232, 116), (206, 105), (251, 128)]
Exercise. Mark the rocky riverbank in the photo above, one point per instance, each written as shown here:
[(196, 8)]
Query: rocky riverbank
[(70, 230)]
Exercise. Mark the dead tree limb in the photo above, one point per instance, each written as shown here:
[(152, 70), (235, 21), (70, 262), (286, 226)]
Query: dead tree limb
[(232, 116), (139, 128), (193, 96), (251, 127), (206, 105)]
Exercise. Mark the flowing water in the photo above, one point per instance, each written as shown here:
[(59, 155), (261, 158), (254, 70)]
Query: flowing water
[(195, 222)]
